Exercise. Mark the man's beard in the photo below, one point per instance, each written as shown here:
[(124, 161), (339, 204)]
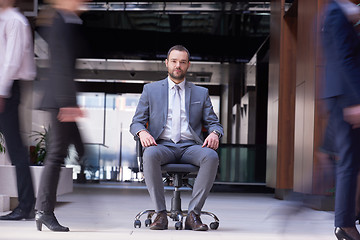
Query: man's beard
[(178, 77)]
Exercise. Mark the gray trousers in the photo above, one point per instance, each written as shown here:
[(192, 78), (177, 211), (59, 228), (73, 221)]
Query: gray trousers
[(184, 152)]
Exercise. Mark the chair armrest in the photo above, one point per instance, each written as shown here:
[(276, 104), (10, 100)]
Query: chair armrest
[(139, 153)]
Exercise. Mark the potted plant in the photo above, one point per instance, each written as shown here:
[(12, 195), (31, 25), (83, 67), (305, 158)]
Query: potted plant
[(38, 152)]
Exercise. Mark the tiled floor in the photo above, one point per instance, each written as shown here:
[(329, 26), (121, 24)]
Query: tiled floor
[(107, 211)]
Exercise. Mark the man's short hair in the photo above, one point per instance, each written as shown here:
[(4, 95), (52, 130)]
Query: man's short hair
[(178, 48)]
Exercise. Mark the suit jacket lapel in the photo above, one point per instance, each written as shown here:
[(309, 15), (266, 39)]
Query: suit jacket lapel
[(187, 99), (165, 98)]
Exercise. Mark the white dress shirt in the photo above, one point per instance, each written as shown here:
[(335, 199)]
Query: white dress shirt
[(16, 50), (185, 132)]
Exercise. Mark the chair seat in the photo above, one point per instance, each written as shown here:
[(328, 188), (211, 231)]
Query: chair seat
[(179, 168)]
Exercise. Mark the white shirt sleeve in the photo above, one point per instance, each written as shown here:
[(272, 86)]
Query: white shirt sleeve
[(15, 36)]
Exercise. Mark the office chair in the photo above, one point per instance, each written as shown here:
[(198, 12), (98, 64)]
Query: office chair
[(179, 174)]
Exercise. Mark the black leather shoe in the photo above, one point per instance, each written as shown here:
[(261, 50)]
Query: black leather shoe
[(193, 222), (341, 234), (160, 222), (18, 214), (50, 221)]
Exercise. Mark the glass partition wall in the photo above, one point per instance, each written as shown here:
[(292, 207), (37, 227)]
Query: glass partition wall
[(110, 153), (109, 146)]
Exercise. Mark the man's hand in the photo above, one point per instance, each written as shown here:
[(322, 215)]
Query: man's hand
[(352, 115), (70, 114), (212, 141), (146, 139)]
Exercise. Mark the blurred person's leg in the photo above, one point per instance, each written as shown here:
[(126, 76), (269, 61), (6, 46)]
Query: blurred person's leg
[(328, 157), (329, 145), (347, 140), (9, 121), (56, 153)]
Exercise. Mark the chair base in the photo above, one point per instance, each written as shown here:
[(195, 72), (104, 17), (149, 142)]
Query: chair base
[(176, 216)]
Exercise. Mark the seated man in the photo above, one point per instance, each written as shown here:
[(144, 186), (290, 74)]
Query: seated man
[(175, 111)]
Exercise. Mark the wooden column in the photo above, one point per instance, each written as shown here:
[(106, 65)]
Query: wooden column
[(281, 99), (295, 123), (309, 123)]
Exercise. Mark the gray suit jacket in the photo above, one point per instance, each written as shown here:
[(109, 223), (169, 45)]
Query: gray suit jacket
[(153, 107)]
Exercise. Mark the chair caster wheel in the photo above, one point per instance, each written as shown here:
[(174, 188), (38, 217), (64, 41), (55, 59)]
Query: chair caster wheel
[(137, 223), (178, 226), (148, 222), (214, 225)]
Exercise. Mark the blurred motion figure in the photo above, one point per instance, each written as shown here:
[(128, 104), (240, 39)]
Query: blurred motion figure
[(60, 101), (16, 63), (342, 93)]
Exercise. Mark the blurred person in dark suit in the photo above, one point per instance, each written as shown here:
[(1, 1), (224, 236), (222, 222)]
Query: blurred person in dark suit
[(16, 64), (342, 92), (327, 159), (60, 101)]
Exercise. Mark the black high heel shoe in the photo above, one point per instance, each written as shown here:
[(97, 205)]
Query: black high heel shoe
[(342, 235), (50, 221)]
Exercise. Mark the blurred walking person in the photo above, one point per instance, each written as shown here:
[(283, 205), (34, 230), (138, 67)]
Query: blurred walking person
[(16, 64), (342, 93), (60, 101)]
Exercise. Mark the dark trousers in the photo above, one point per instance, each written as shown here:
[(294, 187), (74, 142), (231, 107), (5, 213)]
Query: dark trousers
[(9, 126), (61, 135), (347, 144)]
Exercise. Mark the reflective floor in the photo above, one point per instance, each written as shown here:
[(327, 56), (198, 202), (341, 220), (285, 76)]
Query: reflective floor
[(107, 211)]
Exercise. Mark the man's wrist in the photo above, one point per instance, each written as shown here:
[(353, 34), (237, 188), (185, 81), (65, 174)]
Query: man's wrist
[(138, 133), (217, 133)]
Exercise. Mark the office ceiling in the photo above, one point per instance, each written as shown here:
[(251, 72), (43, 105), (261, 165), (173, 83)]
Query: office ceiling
[(224, 31), (221, 31)]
